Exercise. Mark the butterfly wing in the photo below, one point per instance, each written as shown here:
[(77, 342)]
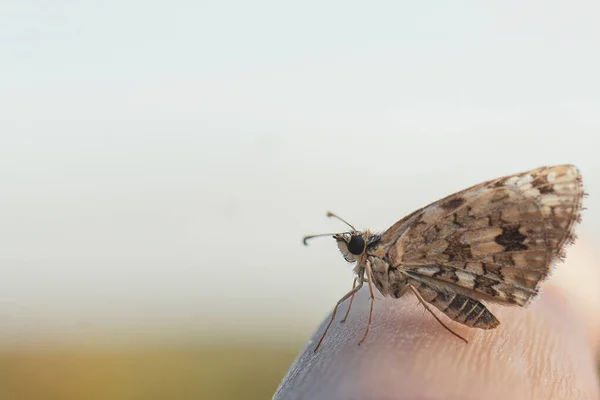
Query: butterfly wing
[(496, 240)]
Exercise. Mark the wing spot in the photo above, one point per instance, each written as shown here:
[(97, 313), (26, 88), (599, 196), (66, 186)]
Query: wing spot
[(458, 251), (511, 239), (545, 189), (453, 204)]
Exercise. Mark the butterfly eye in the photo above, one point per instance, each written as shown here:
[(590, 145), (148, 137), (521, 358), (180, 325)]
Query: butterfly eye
[(356, 245)]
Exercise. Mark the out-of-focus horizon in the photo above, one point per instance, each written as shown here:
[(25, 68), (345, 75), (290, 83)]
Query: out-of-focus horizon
[(161, 162)]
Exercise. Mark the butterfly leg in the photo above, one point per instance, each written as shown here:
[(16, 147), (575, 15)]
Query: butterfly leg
[(351, 300), (372, 292), (416, 292), (340, 301)]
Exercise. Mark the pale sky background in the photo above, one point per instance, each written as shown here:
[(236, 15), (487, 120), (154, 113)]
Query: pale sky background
[(160, 161)]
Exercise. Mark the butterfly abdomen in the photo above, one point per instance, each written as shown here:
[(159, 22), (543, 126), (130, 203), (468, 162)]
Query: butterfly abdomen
[(458, 307)]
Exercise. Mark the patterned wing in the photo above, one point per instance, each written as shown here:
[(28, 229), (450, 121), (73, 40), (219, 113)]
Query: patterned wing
[(497, 239)]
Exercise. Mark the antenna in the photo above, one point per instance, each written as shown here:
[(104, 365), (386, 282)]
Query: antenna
[(305, 238), (330, 214)]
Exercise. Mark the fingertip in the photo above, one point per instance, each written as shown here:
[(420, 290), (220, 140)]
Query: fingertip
[(576, 282), (543, 351)]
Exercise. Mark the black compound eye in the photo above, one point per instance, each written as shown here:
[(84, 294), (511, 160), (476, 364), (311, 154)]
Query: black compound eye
[(356, 245)]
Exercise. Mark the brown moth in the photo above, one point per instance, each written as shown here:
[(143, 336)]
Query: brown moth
[(495, 242)]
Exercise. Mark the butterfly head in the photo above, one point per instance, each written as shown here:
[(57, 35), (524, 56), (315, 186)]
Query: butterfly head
[(351, 245)]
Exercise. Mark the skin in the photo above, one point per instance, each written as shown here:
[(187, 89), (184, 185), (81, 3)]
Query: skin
[(548, 350)]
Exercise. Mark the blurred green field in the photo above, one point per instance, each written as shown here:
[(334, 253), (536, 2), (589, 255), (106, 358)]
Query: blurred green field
[(182, 373), (218, 372)]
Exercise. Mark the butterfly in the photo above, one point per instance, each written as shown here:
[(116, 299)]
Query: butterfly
[(493, 242)]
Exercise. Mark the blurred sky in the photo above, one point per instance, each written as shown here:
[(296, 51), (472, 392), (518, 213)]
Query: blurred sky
[(160, 161)]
